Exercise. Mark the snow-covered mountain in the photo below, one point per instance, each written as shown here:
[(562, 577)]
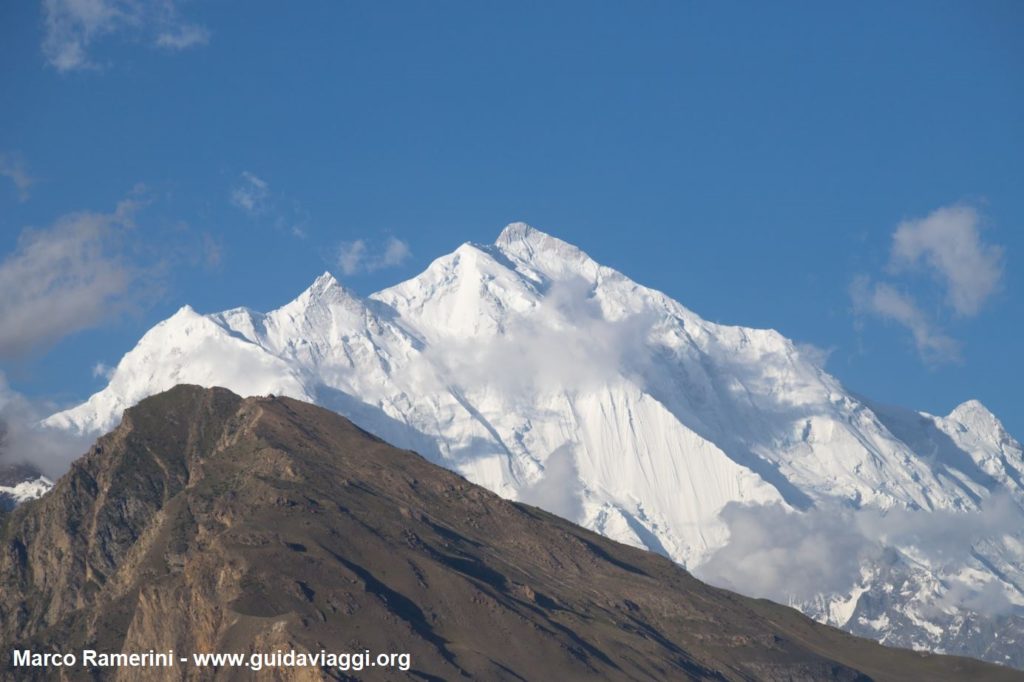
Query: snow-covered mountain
[(546, 377), (23, 491)]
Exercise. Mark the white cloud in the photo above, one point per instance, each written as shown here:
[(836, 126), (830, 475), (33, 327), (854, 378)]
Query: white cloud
[(351, 256), (786, 556), (251, 194), (13, 168), (815, 354), (884, 301), (102, 371), (558, 490), (24, 441), (949, 242), (790, 556), (395, 253), (183, 36), (72, 27), (563, 342), (212, 252), (63, 278), (355, 256)]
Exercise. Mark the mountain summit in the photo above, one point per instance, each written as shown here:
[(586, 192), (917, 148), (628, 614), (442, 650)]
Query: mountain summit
[(209, 523), (546, 377)]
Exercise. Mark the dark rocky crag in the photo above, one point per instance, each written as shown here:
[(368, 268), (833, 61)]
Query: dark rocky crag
[(206, 522)]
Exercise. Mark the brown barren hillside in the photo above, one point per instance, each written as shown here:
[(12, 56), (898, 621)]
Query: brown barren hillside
[(206, 522)]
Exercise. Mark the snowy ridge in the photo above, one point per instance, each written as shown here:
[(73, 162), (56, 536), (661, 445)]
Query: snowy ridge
[(547, 377), (13, 495)]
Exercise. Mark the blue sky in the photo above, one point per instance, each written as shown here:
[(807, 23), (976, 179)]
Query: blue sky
[(848, 174)]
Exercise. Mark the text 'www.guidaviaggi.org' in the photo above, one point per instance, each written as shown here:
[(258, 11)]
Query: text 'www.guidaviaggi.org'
[(90, 658)]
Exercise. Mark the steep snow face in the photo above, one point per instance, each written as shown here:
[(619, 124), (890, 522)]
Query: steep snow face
[(547, 377)]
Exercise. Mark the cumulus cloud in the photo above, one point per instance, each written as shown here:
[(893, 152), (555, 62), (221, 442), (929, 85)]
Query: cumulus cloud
[(24, 441), (558, 490), (12, 167), (948, 244), (64, 278), (786, 556), (73, 27), (251, 193), (793, 557), (355, 257), (884, 301), (948, 241), (566, 341)]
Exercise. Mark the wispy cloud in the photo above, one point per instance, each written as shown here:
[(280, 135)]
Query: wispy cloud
[(73, 27), (352, 256), (64, 278), (251, 193), (12, 167), (183, 36), (884, 301), (102, 371), (355, 257), (815, 354), (948, 241), (948, 245), (211, 250)]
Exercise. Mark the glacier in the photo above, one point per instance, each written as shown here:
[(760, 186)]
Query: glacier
[(548, 378)]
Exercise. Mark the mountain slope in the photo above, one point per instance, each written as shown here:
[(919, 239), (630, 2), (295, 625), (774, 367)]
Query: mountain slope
[(545, 377), (209, 522)]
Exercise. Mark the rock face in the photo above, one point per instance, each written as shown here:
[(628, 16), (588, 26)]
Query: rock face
[(208, 522)]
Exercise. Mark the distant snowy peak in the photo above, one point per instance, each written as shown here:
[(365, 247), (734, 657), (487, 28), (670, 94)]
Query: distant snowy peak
[(13, 495), (974, 415), (326, 292), (974, 430), (519, 231), (556, 258)]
